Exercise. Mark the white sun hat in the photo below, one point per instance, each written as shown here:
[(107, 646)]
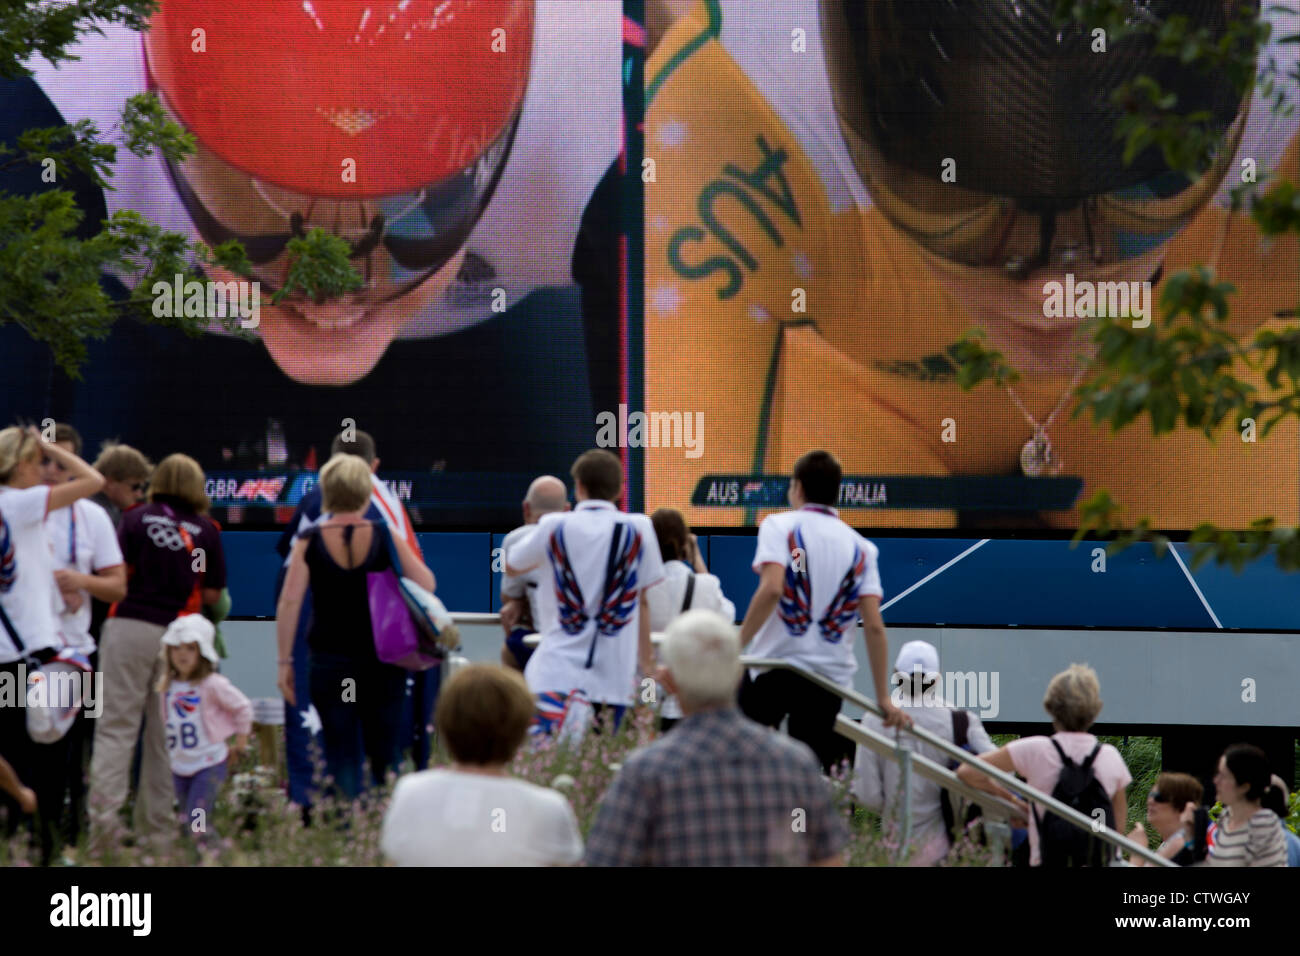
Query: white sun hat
[(193, 629)]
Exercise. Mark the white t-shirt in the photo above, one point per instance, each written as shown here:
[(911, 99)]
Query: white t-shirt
[(665, 599), (449, 818), (828, 567), (665, 603), (82, 538), (187, 741), (529, 584), (590, 640), (876, 779), (33, 603)]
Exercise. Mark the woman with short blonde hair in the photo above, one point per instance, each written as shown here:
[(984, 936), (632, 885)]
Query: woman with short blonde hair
[(336, 556), (179, 476), (30, 606), (1073, 700), (345, 484)]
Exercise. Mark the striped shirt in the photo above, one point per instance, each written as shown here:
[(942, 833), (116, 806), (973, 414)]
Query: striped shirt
[(1259, 843)]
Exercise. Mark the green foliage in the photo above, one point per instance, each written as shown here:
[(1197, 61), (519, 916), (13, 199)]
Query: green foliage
[(1142, 757), (146, 127), (976, 363), (318, 268), (48, 29), (1185, 371), (51, 265)]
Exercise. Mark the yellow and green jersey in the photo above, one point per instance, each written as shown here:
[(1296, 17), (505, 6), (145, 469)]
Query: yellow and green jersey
[(792, 326)]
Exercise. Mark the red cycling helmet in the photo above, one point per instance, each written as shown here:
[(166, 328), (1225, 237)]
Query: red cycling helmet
[(411, 90), (385, 121)]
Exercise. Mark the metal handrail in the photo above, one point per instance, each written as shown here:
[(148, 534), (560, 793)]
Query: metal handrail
[(994, 806), (996, 812), (843, 724), (1010, 781)]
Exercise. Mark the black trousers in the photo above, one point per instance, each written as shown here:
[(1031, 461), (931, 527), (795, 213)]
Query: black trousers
[(42, 767), (775, 695), (79, 738), (15, 746)]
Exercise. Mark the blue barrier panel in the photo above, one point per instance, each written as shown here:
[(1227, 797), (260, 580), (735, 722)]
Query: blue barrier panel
[(458, 560), (498, 561), (960, 582), (957, 582), (461, 562), (252, 565), (729, 557), (1260, 598), (1042, 584)]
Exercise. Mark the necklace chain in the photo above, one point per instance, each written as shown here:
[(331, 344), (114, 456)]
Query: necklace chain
[(1041, 429)]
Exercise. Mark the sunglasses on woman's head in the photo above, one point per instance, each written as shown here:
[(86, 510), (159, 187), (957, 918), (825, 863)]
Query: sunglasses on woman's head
[(1157, 797)]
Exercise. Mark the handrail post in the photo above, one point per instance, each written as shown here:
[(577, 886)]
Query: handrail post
[(905, 781), (999, 841)]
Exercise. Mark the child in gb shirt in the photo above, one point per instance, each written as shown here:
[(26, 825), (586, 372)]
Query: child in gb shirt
[(202, 710)]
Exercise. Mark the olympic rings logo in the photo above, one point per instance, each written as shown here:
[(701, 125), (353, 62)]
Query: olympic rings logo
[(165, 536)]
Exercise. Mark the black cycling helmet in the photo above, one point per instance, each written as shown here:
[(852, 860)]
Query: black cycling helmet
[(1023, 108)]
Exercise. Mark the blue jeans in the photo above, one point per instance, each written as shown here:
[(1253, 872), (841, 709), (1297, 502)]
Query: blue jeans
[(424, 699), (360, 720), (297, 737)]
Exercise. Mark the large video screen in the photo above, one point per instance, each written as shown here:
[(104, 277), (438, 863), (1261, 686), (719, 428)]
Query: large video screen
[(466, 150), (835, 193), (842, 190)]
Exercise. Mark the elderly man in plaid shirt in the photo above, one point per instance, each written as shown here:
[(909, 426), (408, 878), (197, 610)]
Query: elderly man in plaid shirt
[(720, 789)]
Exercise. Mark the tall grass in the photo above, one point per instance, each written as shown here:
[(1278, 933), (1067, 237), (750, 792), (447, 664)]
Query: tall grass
[(257, 826), (253, 823)]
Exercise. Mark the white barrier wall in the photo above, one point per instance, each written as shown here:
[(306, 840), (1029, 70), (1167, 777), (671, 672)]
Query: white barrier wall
[(1147, 677)]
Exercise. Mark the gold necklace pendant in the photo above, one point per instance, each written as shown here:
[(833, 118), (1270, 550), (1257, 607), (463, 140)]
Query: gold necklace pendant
[(1036, 458)]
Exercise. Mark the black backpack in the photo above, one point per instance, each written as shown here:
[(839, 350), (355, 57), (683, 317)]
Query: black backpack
[(960, 737), (1061, 843)]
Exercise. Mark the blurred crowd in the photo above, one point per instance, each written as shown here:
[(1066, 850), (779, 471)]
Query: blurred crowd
[(113, 589)]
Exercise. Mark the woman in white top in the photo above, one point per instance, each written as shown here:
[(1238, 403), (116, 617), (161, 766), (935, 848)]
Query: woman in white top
[(475, 813), (1249, 831), (30, 608), (687, 585)]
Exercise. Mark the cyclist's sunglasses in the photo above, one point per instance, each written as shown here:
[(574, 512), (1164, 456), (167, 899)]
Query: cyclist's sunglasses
[(421, 230)]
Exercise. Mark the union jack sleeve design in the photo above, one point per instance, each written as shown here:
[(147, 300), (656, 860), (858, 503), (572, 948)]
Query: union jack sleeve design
[(619, 599), (844, 606), (8, 564), (568, 595), (185, 704), (795, 607)]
